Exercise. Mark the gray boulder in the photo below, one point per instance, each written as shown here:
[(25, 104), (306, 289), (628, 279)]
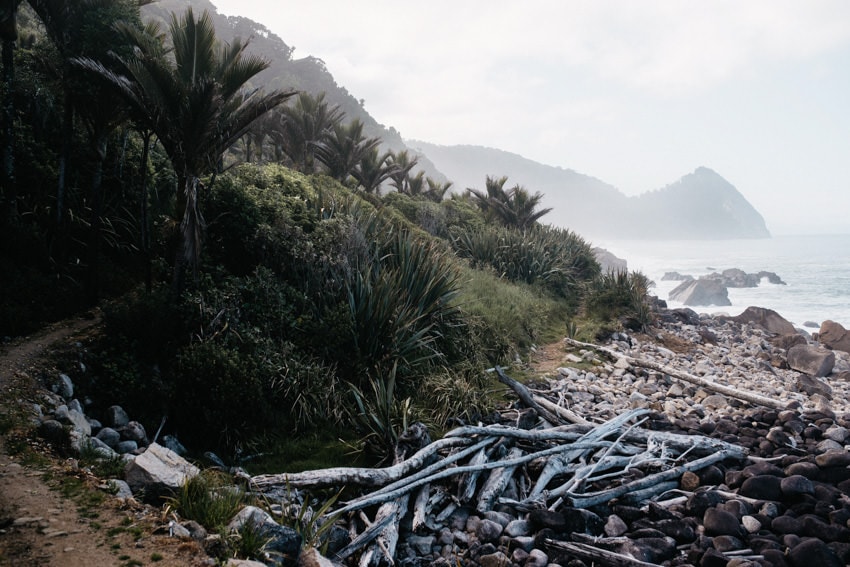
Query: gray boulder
[(109, 436), (768, 319), (158, 472), (811, 360), (700, 293), (834, 336), (116, 417), (811, 386), (608, 262), (134, 431), (64, 387)]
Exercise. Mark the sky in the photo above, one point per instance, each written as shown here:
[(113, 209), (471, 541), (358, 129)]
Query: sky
[(636, 94)]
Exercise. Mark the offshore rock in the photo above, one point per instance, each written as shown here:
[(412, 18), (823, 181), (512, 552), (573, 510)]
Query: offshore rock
[(700, 293)]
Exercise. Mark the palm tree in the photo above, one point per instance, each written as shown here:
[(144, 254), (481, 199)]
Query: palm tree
[(192, 97), (437, 191), (495, 193), (303, 126), (373, 170), (519, 210), (514, 207), (8, 35), (401, 176), (344, 148)]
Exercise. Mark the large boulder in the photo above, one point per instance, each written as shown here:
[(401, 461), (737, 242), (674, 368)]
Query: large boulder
[(811, 360), (608, 262), (700, 293), (768, 319), (158, 472), (834, 336)]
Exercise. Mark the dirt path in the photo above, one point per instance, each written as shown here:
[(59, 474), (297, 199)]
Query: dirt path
[(52, 513)]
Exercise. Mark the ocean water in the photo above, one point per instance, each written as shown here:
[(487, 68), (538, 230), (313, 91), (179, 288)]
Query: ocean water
[(816, 270)]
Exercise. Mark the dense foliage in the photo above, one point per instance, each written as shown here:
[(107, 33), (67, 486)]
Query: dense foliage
[(282, 296)]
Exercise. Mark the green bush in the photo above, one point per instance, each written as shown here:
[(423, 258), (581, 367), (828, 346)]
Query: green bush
[(619, 295), (506, 318), (210, 499), (556, 259)]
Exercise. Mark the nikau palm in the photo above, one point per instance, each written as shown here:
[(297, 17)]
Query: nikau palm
[(192, 97)]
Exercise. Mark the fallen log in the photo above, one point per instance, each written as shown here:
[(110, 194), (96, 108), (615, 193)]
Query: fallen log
[(525, 396), (592, 499), (706, 383), (598, 556), (364, 477)]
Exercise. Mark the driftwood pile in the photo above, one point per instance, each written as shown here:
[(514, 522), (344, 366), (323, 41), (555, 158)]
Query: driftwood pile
[(547, 459)]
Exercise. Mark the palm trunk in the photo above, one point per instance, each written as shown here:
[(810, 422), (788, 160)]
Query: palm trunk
[(7, 182), (145, 230), (190, 236), (96, 224)]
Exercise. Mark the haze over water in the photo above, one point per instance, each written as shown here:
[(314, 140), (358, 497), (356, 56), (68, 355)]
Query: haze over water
[(816, 269)]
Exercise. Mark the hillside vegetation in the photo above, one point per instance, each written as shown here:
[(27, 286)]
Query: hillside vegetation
[(265, 272)]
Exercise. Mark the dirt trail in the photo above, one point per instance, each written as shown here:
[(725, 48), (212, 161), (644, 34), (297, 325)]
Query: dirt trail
[(52, 513)]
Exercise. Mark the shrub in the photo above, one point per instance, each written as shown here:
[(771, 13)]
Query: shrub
[(209, 498), (619, 294), (507, 318), (556, 259)]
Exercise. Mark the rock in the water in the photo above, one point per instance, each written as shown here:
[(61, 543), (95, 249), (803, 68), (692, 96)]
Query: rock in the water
[(811, 360), (158, 472), (834, 336), (700, 293), (768, 319)]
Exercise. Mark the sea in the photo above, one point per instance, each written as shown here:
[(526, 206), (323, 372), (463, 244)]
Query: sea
[(815, 269)]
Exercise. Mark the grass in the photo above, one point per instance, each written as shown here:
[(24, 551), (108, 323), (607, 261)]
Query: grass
[(210, 499), (299, 453)]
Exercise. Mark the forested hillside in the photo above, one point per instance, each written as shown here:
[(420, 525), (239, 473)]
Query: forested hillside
[(251, 274)]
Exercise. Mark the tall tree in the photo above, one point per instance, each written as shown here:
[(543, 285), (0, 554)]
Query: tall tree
[(8, 36), (436, 191), (374, 168), (193, 98), (403, 163), (344, 148), (303, 126), (515, 207)]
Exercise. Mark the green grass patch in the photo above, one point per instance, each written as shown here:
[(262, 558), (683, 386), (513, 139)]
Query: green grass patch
[(306, 452)]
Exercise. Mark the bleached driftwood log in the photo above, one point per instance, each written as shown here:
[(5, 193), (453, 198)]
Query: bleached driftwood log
[(706, 383), (368, 478)]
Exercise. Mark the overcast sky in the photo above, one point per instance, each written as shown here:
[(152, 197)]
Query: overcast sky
[(636, 93)]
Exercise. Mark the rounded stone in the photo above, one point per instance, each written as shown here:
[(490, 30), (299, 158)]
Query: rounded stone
[(796, 485), (786, 525), (813, 552), (488, 531), (764, 487), (720, 522)]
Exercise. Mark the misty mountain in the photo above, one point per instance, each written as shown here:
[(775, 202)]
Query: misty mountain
[(307, 74), (700, 205)]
